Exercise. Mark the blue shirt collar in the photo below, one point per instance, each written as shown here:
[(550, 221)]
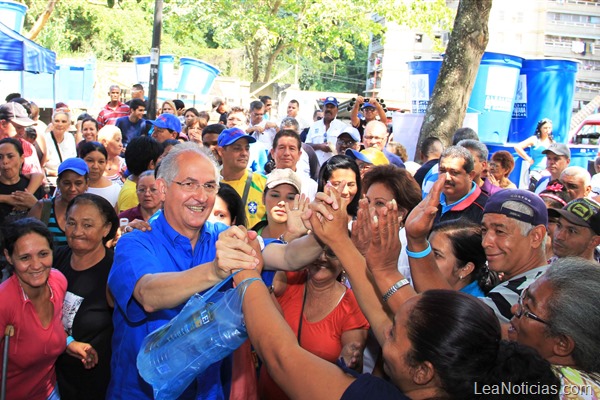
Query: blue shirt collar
[(447, 207)]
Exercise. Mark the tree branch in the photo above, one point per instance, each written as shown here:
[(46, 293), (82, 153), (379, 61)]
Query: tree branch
[(41, 21)]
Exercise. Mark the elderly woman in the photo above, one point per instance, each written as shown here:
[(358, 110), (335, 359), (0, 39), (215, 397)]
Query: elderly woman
[(18, 193), (86, 262), (428, 348), (32, 302), (558, 316), (150, 200), (72, 181), (60, 144), (500, 167)]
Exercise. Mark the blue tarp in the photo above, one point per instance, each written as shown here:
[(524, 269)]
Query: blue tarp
[(17, 53)]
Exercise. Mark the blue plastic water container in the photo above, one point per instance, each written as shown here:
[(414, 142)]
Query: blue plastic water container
[(546, 89), (12, 14), (142, 69), (493, 95), (166, 73), (423, 75), (197, 76)]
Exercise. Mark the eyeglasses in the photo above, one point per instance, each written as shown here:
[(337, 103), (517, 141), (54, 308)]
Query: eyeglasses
[(144, 190), (528, 314), (192, 186)]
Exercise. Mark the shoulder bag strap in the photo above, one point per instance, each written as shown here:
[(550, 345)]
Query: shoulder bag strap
[(56, 145), (247, 188)]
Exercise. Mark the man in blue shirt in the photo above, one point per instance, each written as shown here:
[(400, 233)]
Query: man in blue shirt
[(156, 271), (134, 124)]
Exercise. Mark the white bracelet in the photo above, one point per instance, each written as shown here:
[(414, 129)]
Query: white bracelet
[(401, 283)]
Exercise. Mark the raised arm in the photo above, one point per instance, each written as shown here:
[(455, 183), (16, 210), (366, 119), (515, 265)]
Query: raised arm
[(354, 114), (380, 111), (301, 375), (170, 289), (521, 146), (425, 273)]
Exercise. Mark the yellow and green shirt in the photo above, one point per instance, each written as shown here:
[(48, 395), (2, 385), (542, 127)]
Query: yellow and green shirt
[(255, 208)]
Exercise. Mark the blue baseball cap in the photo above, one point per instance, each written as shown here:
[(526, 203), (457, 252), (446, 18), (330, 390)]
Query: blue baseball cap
[(331, 100), (356, 155), (232, 135), (496, 205), (74, 164), (167, 121), (365, 105)]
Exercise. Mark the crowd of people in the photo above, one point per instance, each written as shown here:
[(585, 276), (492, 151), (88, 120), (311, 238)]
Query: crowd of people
[(363, 278)]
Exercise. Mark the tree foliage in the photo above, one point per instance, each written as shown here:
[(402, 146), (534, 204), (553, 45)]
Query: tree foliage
[(250, 39)]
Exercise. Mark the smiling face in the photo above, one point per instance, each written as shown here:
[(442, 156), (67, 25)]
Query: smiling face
[(275, 200), (32, 260), (89, 131), (85, 228), (96, 162), (187, 211), (506, 248), (529, 331)]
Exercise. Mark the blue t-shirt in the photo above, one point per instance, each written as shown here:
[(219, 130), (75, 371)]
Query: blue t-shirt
[(130, 130), (139, 253)]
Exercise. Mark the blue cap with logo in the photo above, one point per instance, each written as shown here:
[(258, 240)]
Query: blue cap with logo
[(167, 121), (74, 164), (232, 135), (496, 204), (331, 100)]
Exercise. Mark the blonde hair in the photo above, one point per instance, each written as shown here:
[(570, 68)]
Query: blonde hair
[(107, 133)]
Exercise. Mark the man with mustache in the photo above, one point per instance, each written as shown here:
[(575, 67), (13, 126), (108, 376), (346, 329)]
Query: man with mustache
[(323, 133), (461, 197), (233, 147)]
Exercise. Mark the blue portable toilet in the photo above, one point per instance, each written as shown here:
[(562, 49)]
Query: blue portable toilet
[(12, 14), (550, 84), (422, 78), (493, 95)]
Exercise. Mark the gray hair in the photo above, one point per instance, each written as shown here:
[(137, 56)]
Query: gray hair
[(68, 114), (169, 167), (459, 152), (290, 123), (524, 227), (573, 308), (114, 87), (578, 172), (479, 148)]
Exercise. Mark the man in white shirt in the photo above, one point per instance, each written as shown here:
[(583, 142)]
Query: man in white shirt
[(323, 133)]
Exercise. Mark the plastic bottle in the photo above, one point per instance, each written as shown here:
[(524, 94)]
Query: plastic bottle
[(172, 356)]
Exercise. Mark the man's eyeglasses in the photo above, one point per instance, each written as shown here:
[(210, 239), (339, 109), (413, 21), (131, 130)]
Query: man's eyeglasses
[(192, 186), (521, 310)]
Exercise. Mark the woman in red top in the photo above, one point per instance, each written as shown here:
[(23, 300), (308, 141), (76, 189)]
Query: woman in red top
[(32, 303), (324, 315)]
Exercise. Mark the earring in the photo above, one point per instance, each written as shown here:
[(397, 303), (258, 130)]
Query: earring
[(460, 277)]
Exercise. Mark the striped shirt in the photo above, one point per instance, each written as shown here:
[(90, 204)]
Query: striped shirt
[(505, 295)]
